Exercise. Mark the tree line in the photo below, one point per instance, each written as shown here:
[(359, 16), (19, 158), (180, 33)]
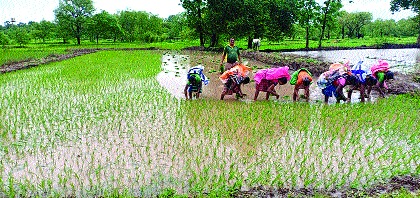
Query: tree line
[(212, 22)]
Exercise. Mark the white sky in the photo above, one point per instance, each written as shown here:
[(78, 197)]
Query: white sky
[(380, 9), (37, 10)]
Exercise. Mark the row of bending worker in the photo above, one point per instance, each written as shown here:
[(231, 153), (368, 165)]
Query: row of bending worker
[(358, 77), (331, 82), (265, 79)]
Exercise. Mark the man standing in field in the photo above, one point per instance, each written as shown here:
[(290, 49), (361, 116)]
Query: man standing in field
[(232, 55)]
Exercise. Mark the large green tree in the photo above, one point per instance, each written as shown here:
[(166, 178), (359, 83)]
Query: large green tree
[(282, 15), (4, 39), (329, 9), (43, 30), (254, 20), (63, 31), (140, 26), (380, 28), (128, 21), (215, 19), (407, 27), (224, 19), (194, 10), (20, 34), (74, 14), (355, 21), (104, 25), (174, 26), (309, 11), (341, 20), (153, 29), (414, 5)]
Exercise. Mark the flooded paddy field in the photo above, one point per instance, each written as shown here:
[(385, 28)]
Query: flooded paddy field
[(174, 72), (88, 127)]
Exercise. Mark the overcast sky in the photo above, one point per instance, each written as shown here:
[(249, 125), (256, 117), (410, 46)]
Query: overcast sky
[(37, 10)]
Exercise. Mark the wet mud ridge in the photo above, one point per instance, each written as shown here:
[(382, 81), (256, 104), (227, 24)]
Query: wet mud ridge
[(395, 184), (405, 83), (13, 66)]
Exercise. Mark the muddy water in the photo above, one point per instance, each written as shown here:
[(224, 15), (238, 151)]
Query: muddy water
[(175, 67), (400, 60), (173, 74)]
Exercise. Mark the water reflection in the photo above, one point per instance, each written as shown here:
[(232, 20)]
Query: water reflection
[(418, 58), (400, 60), (173, 74)]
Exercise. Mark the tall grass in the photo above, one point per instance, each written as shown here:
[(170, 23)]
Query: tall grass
[(101, 125)]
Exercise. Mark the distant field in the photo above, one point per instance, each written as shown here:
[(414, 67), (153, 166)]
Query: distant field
[(36, 51), (288, 44)]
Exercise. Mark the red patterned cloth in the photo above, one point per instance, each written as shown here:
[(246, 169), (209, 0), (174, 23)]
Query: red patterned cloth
[(265, 84), (233, 88)]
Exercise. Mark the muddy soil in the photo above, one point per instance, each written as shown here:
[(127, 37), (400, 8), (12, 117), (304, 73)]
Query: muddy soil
[(409, 183)]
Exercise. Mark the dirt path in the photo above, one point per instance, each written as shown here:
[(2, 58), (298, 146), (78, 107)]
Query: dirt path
[(409, 183), (13, 66)]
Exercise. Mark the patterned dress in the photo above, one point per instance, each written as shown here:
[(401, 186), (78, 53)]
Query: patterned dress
[(265, 84)]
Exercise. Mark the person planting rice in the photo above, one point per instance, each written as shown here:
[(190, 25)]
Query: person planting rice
[(231, 55), (364, 77), (233, 79), (195, 80), (326, 83), (340, 83), (301, 79), (381, 72), (333, 81), (267, 79), (346, 78)]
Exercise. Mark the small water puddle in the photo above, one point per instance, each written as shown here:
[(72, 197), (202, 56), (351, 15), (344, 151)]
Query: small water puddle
[(173, 74)]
